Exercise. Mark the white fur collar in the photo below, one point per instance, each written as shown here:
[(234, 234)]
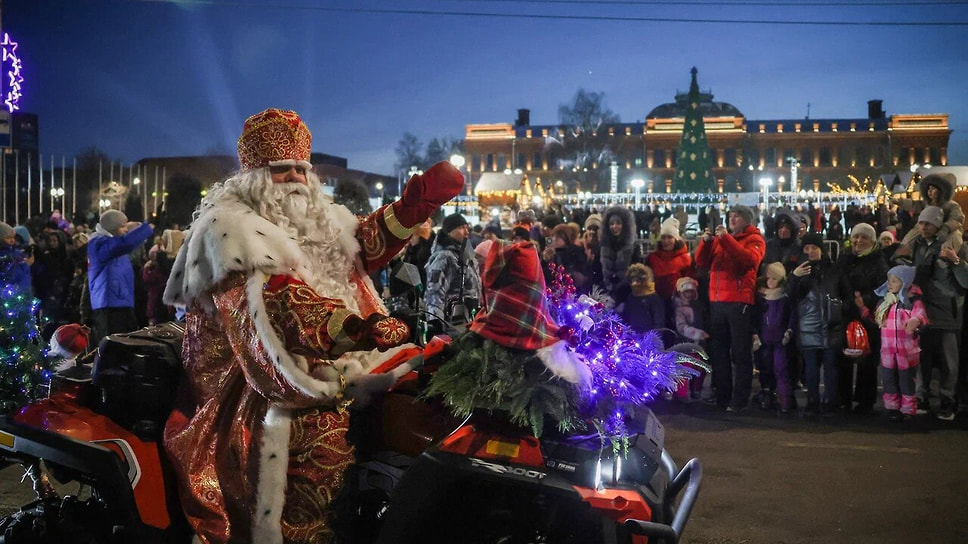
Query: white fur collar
[(232, 237)]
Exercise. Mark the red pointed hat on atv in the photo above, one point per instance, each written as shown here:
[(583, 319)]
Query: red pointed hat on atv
[(517, 313)]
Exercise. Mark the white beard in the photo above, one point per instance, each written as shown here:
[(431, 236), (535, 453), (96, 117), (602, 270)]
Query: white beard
[(297, 211), (300, 211)]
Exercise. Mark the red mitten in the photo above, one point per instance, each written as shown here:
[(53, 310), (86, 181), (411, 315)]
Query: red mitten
[(426, 192)]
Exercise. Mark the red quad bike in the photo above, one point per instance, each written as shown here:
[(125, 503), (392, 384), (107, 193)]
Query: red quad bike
[(422, 475)]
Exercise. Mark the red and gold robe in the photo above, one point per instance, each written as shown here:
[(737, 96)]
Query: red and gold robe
[(258, 437)]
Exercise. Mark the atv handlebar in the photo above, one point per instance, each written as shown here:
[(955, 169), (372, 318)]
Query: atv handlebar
[(690, 478)]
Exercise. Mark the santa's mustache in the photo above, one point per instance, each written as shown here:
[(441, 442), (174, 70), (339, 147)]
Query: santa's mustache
[(282, 190)]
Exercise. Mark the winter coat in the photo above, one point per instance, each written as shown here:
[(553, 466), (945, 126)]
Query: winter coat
[(821, 298), (943, 283), (732, 262), (573, 258), (617, 253), (690, 319), (447, 258), (643, 313), (954, 217), (896, 343), (863, 274), (772, 318), (789, 252), (418, 254), (668, 267), (110, 275), (14, 269)]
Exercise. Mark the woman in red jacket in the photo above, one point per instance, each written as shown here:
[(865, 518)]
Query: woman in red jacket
[(669, 262)]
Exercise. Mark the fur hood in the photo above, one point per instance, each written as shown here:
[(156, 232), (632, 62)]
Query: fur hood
[(628, 227), (944, 182)]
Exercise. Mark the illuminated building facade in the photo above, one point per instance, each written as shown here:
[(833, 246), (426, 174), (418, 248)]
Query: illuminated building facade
[(743, 150)]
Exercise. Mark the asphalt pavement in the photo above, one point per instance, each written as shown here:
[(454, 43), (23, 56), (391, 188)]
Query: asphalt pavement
[(771, 479)]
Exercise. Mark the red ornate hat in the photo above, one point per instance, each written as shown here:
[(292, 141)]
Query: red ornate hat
[(274, 136)]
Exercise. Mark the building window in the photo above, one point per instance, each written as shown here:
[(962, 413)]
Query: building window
[(659, 155), (476, 162), (730, 157), (825, 156), (863, 156), (489, 164), (536, 161), (502, 162), (806, 157), (521, 162), (843, 157), (770, 155)]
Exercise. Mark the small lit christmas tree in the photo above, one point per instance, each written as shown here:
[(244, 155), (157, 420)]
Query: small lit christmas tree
[(24, 372)]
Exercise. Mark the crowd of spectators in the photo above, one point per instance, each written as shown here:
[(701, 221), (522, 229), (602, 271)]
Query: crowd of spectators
[(774, 295)]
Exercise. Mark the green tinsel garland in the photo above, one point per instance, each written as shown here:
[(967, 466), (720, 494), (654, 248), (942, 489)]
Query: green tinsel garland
[(485, 375)]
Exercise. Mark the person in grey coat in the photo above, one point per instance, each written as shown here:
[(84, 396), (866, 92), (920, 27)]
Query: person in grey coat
[(450, 262), (942, 274)]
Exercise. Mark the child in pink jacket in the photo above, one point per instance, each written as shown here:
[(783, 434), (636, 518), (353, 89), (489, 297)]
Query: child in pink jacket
[(900, 314)]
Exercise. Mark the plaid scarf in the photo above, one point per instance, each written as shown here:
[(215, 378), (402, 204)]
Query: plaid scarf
[(517, 313)]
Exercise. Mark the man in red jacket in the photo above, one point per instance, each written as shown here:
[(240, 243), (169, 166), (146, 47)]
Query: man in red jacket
[(732, 258)]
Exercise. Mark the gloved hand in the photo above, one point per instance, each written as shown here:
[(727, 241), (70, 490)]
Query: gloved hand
[(426, 192), (787, 336), (756, 342)]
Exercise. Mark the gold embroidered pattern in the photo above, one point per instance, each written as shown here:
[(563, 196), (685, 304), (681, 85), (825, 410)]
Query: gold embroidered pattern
[(374, 246)]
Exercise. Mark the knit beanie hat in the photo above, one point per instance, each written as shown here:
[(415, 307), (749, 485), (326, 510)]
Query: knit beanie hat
[(69, 341), (6, 230), (112, 221), (812, 239), (905, 274), (686, 283), (933, 215), (744, 211), (887, 235), (453, 221), (670, 227), (776, 271), (864, 229), (593, 219), (80, 239)]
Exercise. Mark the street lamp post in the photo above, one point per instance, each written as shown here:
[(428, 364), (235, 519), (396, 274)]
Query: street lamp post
[(637, 184), (765, 184)]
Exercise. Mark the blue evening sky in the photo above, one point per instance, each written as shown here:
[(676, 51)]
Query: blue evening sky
[(149, 78)]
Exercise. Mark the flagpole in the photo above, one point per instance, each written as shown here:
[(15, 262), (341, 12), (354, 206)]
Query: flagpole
[(74, 190), (51, 183), (40, 176), (30, 183)]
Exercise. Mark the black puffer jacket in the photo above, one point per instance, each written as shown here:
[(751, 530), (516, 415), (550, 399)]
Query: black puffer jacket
[(863, 274)]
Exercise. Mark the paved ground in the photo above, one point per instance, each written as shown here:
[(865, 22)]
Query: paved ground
[(771, 479), (849, 479)]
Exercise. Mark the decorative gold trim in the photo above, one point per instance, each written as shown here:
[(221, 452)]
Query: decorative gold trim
[(334, 327), (394, 226)]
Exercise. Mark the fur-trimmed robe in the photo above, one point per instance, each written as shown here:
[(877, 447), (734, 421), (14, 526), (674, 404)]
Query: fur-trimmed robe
[(257, 439)]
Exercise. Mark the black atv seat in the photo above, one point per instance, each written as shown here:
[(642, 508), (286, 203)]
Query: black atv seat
[(137, 374)]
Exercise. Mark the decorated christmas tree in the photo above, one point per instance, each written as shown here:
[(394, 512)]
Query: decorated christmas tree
[(693, 171), (24, 372)]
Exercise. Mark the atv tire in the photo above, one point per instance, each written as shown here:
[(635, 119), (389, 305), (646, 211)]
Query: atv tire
[(63, 521)]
